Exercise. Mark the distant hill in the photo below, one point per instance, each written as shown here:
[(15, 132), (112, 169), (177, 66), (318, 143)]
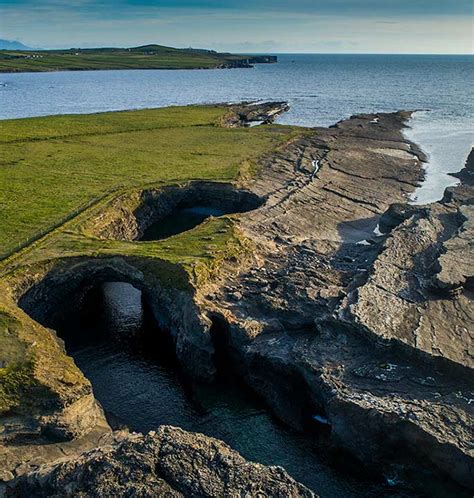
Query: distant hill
[(12, 45), (145, 57)]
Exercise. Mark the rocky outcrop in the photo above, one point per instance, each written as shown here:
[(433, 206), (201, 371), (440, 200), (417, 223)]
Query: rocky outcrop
[(42, 393), (249, 61), (170, 462), (352, 315), (253, 112), (466, 175), (396, 214), (457, 261), (340, 325), (462, 193), (398, 300), (426, 256)]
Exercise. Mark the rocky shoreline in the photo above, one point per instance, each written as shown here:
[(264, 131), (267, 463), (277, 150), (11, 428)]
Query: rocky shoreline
[(351, 314), (378, 338)]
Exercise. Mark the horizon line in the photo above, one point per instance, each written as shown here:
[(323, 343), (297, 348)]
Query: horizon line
[(350, 53), (29, 49)]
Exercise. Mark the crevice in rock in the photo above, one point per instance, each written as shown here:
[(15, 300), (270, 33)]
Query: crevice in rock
[(292, 400), (140, 338)]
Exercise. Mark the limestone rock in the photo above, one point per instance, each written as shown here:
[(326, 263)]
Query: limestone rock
[(248, 112), (170, 462), (368, 342), (457, 261)]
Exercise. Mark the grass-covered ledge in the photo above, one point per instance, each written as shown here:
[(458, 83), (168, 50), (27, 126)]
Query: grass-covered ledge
[(63, 176)]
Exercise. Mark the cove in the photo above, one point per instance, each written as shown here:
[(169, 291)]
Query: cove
[(130, 362)]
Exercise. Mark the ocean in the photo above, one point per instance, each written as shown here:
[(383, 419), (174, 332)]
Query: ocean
[(321, 89)]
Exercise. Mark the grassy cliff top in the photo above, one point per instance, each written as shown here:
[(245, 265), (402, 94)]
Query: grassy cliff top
[(60, 173), (146, 57), (50, 167)]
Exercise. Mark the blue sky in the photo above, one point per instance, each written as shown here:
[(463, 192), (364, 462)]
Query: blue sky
[(374, 26)]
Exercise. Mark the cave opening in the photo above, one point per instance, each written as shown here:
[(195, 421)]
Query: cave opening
[(111, 330), (225, 362), (115, 312)]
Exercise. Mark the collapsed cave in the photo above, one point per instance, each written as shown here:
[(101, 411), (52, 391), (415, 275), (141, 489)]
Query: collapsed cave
[(160, 213), (80, 292), (113, 311)]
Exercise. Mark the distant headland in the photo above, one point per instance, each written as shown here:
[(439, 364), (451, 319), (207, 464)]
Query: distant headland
[(144, 57)]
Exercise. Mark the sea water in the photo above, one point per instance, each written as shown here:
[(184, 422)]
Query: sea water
[(321, 89)]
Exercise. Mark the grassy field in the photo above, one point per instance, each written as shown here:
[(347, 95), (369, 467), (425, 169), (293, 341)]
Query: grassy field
[(147, 57), (50, 166)]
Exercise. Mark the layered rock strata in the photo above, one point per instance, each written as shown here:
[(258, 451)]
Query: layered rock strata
[(336, 322), (352, 315)]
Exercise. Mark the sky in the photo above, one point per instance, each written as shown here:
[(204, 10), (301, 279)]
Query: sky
[(275, 26)]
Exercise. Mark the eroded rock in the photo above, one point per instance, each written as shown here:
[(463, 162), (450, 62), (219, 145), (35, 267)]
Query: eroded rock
[(328, 319), (352, 301), (457, 261), (170, 462), (254, 112)]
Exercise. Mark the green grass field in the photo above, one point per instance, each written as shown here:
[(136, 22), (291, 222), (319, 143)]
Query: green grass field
[(50, 166), (148, 57)]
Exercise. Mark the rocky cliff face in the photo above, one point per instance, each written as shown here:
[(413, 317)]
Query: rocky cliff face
[(60, 290), (339, 324), (426, 257)]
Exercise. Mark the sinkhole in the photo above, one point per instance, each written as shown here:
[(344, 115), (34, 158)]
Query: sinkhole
[(168, 211), (178, 209)]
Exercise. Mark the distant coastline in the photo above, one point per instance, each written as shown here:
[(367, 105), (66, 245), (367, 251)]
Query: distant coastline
[(145, 57)]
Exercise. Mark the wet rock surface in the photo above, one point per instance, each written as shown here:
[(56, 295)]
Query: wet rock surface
[(170, 462)]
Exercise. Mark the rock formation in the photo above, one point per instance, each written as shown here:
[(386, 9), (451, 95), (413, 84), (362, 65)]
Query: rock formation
[(247, 113), (334, 321), (170, 462), (352, 314)]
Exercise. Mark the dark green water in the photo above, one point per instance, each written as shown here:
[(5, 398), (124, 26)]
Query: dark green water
[(179, 221), (135, 377)]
